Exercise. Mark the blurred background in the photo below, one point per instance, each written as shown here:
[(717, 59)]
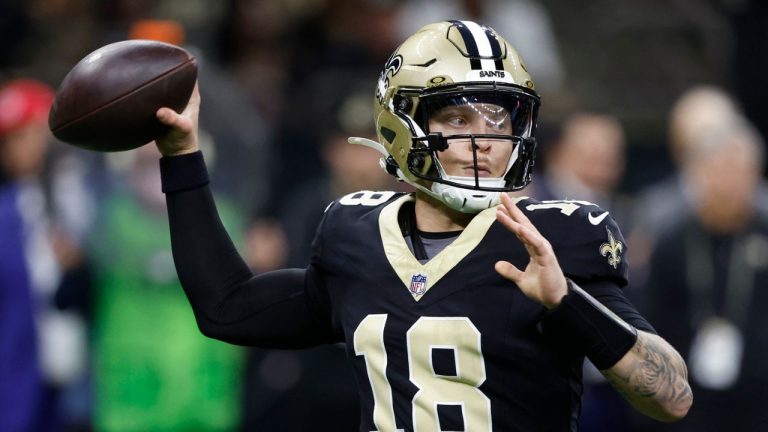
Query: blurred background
[(656, 110)]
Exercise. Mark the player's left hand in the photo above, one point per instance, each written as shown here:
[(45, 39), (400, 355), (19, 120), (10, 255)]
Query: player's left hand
[(543, 280)]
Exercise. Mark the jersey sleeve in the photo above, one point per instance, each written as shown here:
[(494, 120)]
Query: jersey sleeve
[(272, 310), (586, 239), (613, 297)]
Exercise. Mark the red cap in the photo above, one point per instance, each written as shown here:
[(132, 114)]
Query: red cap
[(23, 101)]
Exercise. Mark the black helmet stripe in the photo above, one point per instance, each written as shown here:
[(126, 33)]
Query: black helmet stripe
[(469, 41), (482, 45), (495, 47)]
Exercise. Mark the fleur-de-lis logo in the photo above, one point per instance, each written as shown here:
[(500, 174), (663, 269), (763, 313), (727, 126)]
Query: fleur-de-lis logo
[(391, 68), (612, 249)]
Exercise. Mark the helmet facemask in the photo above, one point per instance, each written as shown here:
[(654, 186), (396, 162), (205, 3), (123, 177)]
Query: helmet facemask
[(509, 113)]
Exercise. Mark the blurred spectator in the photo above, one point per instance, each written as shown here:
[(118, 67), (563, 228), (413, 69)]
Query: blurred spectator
[(157, 374), (42, 330), (586, 162), (705, 291), (699, 113)]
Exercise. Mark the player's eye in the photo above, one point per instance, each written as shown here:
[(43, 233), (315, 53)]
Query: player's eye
[(452, 118), (457, 121), (499, 123)]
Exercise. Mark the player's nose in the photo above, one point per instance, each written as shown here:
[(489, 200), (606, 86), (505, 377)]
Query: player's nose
[(482, 144)]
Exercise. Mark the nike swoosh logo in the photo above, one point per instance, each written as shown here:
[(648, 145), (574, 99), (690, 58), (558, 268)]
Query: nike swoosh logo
[(595, 220)]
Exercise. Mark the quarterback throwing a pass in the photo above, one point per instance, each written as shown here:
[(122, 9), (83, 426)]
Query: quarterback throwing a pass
[(460, 307)]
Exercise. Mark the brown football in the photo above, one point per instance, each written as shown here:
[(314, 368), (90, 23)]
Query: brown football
[(107, 102)]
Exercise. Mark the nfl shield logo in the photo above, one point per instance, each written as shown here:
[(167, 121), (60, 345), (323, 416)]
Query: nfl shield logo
[(418, 284)]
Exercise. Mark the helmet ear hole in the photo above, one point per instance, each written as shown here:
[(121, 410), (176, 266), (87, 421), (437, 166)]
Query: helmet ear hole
[(388, 134), (402, 103), (416, 161)]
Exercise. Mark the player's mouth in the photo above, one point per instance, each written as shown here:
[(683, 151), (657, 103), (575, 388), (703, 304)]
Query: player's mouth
[(483, 170)]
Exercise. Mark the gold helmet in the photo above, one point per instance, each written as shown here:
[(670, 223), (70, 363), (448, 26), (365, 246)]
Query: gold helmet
[(453, 63)]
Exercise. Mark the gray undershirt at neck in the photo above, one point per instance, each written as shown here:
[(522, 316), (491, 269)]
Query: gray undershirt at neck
[(432, 246)]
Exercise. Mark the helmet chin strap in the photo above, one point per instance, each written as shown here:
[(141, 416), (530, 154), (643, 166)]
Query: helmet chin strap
[(468, 200)]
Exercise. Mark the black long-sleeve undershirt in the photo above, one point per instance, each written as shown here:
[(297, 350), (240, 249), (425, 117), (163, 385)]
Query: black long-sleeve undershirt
[(272, 310)]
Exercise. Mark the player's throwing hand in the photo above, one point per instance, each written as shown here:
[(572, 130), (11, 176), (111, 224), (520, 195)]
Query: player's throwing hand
[(182, 138)]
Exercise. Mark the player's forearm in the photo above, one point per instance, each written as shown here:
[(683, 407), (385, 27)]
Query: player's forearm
[(653, 378), (208, 265), (643, 367), (229, 302)]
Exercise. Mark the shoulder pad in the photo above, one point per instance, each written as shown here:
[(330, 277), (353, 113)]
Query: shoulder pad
[(566, 211), (586, 239), (357, 205), (364, 200), (350, 218), (368, 198)]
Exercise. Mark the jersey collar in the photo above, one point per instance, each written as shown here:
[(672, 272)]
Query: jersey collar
[(419, 278)]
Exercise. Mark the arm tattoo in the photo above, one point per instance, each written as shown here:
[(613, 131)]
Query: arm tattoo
[(654, 376)]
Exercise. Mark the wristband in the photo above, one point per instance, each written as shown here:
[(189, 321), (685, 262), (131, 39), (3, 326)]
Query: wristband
[(183, 172), (601, 334)]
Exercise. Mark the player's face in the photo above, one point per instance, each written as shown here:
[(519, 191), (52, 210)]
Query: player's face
[(479, 118)]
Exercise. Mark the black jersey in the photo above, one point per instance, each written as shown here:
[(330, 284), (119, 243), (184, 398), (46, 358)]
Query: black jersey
[(451, 345), (447, 345)]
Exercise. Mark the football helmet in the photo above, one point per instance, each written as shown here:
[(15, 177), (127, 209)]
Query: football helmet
[(449, 64)]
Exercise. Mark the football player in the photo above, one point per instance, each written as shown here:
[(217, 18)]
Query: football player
[(461, 308)]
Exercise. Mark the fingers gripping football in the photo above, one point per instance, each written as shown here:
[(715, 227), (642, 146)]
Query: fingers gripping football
[(182, 138), (542, 280)]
